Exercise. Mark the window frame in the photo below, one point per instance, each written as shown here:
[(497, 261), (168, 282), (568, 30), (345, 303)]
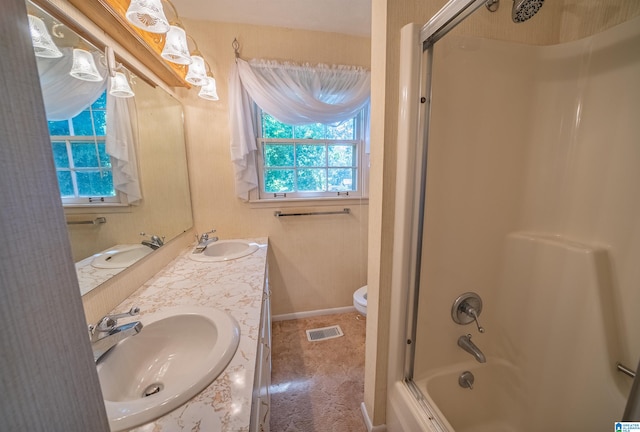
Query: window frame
[(362, 168), (119, 199)]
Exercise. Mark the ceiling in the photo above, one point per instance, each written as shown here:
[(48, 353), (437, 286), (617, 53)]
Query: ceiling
[(351, 17)]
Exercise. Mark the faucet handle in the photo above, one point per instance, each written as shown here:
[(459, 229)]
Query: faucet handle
[(205, 236), (469, 310), (466, 308), (108, 322)]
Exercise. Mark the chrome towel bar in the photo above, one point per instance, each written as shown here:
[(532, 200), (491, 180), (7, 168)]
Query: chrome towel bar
[(96, 221), (625, 370), (278, 213)]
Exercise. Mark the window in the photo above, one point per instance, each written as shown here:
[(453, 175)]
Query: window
[(82, 165), (311, 161)]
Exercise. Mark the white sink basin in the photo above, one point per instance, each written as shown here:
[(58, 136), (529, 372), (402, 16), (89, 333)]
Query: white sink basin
[(121, 256), (225, 250), (176, 355)]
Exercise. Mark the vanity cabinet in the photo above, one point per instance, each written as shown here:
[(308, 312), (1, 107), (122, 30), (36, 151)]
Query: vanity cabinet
[(261, 400)]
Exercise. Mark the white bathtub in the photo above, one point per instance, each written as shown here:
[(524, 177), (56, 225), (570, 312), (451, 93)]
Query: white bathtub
[(494, 404)]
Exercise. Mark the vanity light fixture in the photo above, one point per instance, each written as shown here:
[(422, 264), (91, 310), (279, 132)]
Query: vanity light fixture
[(209, 90), (148, 15), (84, 66), (197, 73), (120, 86), (41, 39), (119, 83), (175, 47)]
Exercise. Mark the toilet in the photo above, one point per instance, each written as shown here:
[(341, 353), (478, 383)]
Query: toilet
[(360, 300)]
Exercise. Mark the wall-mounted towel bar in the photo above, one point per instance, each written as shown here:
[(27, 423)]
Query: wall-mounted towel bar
[(96, 221), (280, 214)]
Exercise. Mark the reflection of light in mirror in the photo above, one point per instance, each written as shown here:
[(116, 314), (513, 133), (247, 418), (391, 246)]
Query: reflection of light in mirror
[(120, 86), (43, 45), (84, 66)]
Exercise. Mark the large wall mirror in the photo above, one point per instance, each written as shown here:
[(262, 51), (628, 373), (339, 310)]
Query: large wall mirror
[(120, 160)]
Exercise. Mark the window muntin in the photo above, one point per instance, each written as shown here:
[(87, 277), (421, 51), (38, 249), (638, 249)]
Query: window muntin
[(82, 164), (310, 161)]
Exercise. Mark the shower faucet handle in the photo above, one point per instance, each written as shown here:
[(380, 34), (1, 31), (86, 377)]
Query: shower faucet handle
[(467, 308)]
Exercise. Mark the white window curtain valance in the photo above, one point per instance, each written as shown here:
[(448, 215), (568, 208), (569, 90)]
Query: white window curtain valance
[(65, 96), (293, 94)]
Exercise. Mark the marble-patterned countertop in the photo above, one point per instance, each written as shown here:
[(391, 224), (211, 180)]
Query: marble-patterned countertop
[(236, 287)]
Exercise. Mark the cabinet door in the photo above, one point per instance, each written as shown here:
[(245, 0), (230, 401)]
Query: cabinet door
[(261, 404)]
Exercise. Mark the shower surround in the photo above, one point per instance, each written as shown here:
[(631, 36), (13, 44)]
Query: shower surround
[(531, 202)]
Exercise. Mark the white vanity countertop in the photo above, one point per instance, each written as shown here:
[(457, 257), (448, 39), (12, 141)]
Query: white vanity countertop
[(236, 287)]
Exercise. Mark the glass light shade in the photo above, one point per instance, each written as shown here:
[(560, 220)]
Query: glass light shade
[(209, 90), (120, 86), (175, 47), (41, 39), (84, 66), (197, 73), (148, 15)]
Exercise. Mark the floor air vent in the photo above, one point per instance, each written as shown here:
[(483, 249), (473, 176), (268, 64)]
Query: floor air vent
[(324, 333)]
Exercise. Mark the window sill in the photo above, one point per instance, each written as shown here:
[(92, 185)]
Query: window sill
[(306, 202)]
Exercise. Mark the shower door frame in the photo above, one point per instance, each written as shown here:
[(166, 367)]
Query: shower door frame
[(416, 60)]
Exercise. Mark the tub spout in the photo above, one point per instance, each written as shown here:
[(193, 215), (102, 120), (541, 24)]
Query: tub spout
[(465, 343)]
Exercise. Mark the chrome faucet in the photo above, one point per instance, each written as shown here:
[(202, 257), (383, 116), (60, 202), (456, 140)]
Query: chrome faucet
[(204, 240), (154, 241), (465, 343), (107, 333)]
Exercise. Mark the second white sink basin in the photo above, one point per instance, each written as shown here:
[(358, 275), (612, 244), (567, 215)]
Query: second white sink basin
[(176, 355), (121, 256), (225, 250)]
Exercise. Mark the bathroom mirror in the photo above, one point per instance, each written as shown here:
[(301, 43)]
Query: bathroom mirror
[(96, 225)]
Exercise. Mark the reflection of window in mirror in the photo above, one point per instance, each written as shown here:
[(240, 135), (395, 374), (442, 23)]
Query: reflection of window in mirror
[(82, 164)]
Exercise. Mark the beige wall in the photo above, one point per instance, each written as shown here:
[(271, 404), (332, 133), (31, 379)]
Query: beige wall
[(556, 22), (315, 262)]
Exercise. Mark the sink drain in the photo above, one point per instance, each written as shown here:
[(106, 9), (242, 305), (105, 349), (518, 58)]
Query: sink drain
[(152, 389)]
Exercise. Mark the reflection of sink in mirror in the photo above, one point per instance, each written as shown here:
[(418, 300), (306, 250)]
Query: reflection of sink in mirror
[(121, 257), (225, 250), (176, 355)]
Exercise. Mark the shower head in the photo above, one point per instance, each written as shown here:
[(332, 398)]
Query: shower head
[(525, 9)]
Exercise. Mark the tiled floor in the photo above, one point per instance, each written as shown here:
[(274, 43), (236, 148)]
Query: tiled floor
[(318, 386)]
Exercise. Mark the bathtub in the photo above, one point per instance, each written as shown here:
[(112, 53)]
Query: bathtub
[(495, 403), (550, 356)]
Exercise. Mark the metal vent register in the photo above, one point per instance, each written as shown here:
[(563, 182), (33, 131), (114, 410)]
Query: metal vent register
[(323, 333)]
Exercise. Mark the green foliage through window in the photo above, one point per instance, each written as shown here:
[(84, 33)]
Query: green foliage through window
[(82, 164), (315, 158)]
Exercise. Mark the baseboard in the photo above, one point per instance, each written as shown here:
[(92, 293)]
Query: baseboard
[(367, 421), (309, 314)]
